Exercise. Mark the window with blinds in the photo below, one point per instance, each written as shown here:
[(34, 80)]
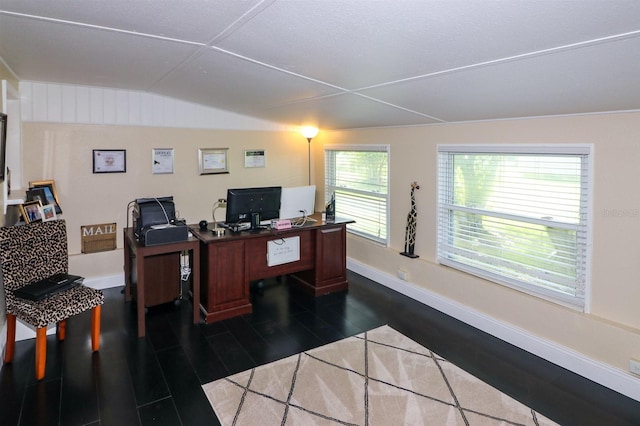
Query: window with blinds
[(517, 216), (358, 176)]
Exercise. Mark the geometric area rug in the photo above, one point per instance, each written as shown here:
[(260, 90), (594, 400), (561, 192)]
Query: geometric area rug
[(379, 377)]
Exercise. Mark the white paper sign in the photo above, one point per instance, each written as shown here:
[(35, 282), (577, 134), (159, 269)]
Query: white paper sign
[(283, 250), (254, 158)]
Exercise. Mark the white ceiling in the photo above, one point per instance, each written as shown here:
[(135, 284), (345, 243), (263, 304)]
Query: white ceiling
[(340, 64)]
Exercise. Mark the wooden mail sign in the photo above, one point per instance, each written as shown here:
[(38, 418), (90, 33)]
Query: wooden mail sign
[(100, 237)]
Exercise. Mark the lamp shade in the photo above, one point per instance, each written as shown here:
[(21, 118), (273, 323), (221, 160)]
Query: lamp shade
[(309, 132)]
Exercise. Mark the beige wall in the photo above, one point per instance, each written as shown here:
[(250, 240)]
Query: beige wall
[(611, 332), (64, 153)]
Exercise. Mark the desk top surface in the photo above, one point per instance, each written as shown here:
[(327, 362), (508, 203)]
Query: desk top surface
[(208, 236)]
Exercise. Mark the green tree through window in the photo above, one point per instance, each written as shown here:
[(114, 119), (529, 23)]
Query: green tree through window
[(517, 218), (358, 177)]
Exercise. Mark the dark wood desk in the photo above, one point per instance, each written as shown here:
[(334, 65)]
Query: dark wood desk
[(231, 261), (149, 291)]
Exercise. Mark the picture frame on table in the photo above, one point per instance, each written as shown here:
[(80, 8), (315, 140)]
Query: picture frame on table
[(213, 160), (109, 161), (48, 212), (47, 189), (30, 211)]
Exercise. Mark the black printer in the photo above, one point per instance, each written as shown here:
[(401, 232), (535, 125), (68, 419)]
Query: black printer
[(154, 222)]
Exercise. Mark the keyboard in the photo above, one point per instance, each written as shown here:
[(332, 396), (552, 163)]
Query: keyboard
[(235, 227)]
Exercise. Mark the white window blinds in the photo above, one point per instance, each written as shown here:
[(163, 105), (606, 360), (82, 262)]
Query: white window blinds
[(517, 216), (358, 176)]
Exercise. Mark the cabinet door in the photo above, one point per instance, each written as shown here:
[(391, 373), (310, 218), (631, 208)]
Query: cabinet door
[(162, 278), (225, 287), (331, 258)]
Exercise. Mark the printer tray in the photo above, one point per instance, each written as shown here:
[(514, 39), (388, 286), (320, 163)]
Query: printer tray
[(44, 288)]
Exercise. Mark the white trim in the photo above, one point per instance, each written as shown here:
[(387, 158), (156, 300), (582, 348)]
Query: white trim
[(599, 372), (380, 147), (568, 149), (108, 281)]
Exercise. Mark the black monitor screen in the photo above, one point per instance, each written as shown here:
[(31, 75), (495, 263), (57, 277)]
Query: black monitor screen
[(243, 202)]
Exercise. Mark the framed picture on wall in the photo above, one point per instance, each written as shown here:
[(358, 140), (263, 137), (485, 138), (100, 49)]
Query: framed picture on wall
[(45, 192), (213, 160), (254, 158), (162, 160), (109, 161)]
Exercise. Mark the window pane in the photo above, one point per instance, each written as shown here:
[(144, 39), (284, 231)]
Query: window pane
[(359, 180), (518, 219)]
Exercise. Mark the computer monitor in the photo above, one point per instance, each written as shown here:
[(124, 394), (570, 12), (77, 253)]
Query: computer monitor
[(253, 205), (297, 201)]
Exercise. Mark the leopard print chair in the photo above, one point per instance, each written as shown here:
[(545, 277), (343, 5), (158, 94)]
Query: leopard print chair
[(30, 253)]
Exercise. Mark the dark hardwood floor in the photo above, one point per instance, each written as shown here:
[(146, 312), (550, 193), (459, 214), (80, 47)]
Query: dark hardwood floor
[(157, 379)]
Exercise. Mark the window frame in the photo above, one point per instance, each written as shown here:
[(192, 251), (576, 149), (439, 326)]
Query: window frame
[(329, 188), (581, 302)]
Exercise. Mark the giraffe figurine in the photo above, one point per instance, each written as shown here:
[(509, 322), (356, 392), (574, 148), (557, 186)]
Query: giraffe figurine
[(410, 232)]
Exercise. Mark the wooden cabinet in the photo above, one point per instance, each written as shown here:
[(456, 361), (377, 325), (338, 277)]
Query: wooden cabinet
[(162, 277), (231, 261), (226, 293), (329, 272), (152, 274)]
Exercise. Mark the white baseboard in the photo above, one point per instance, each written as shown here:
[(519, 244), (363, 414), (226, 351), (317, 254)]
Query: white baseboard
[(596, 371)]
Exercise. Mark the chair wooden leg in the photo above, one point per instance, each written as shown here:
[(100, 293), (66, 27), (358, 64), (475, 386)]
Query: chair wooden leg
[(10, 346), (95, 328), (62, 330), (41, 351)]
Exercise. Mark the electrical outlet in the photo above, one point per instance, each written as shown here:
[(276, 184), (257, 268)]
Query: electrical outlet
[(222, 202), (634, 366), (403, 275)]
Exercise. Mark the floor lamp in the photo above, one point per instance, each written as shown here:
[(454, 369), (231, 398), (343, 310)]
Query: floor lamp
[(309, 133)]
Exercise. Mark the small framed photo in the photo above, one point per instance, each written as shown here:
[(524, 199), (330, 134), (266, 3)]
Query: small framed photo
[(254, 158), (48, 212), (45, 192), (109, 161), (37, 194), (213, 160), (30, 211), (162, 160)]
